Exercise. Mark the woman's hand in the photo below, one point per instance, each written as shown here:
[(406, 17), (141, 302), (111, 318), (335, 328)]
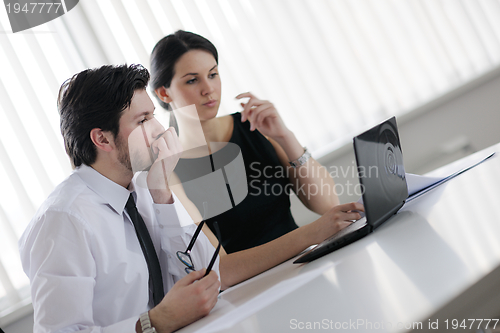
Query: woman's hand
[(335, 220), (263, 116)]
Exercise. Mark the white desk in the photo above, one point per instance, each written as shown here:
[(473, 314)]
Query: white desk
[(438, 258)]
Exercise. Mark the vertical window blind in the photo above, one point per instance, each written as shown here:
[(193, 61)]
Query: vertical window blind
[(331, 67)]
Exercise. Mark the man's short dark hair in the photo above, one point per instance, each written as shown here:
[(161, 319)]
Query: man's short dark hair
[(96, 98)]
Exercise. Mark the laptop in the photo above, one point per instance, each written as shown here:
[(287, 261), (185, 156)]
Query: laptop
[(382, 177)]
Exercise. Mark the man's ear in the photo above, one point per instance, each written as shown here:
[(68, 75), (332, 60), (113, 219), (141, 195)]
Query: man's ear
[(163, 94), (102, 139)]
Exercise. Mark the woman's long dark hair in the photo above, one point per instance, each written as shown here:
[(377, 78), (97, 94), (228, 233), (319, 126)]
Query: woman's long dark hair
[(165, 55)]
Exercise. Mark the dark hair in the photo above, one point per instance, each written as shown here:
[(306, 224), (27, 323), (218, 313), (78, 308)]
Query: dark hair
[(165, 55), (96, 98)]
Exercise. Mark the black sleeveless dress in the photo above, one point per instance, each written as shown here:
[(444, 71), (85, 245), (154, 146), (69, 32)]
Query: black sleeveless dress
[(264, 214)]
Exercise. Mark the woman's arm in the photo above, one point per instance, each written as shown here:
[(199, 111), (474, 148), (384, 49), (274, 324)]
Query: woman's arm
[(242, 265), (239, 266), (311, 182)]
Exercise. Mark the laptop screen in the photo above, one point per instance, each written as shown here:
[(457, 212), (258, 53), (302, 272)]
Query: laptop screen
[(381, 171)]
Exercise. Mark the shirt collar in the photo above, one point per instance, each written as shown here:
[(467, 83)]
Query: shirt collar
[(112, 193)]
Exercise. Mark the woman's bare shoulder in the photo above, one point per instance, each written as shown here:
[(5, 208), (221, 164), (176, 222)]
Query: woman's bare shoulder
[(226, 125)]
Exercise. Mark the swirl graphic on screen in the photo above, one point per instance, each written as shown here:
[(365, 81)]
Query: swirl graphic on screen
[(390, 159)]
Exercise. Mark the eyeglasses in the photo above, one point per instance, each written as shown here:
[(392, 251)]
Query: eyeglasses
[(185, 257)]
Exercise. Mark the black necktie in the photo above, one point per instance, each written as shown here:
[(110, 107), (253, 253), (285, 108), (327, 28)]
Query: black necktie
[(148, 249)]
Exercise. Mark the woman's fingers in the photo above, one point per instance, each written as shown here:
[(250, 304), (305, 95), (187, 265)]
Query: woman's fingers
[(244, 112), (348, 212), (255, 111), (267, 111), (251, 105), (247, 107), (245, 94), (352, 216), (351, 206), (262, 115), (259, 114)]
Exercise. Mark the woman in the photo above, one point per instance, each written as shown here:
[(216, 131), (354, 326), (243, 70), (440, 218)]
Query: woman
[(259, 232)]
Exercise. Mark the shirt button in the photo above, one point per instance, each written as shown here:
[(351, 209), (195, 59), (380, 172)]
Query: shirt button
[(157, 211), (169, 256), (161, 226)]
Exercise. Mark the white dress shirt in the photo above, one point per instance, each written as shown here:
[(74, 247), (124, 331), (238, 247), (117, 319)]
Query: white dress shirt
[(84, 261)]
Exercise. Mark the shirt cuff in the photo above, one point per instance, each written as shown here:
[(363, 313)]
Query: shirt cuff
[(172, 215)]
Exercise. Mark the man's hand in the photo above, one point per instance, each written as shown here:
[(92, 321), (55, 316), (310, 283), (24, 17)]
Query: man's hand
[(190, 299), (167, 149)]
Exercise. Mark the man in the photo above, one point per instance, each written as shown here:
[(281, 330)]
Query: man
[(84, 251)]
